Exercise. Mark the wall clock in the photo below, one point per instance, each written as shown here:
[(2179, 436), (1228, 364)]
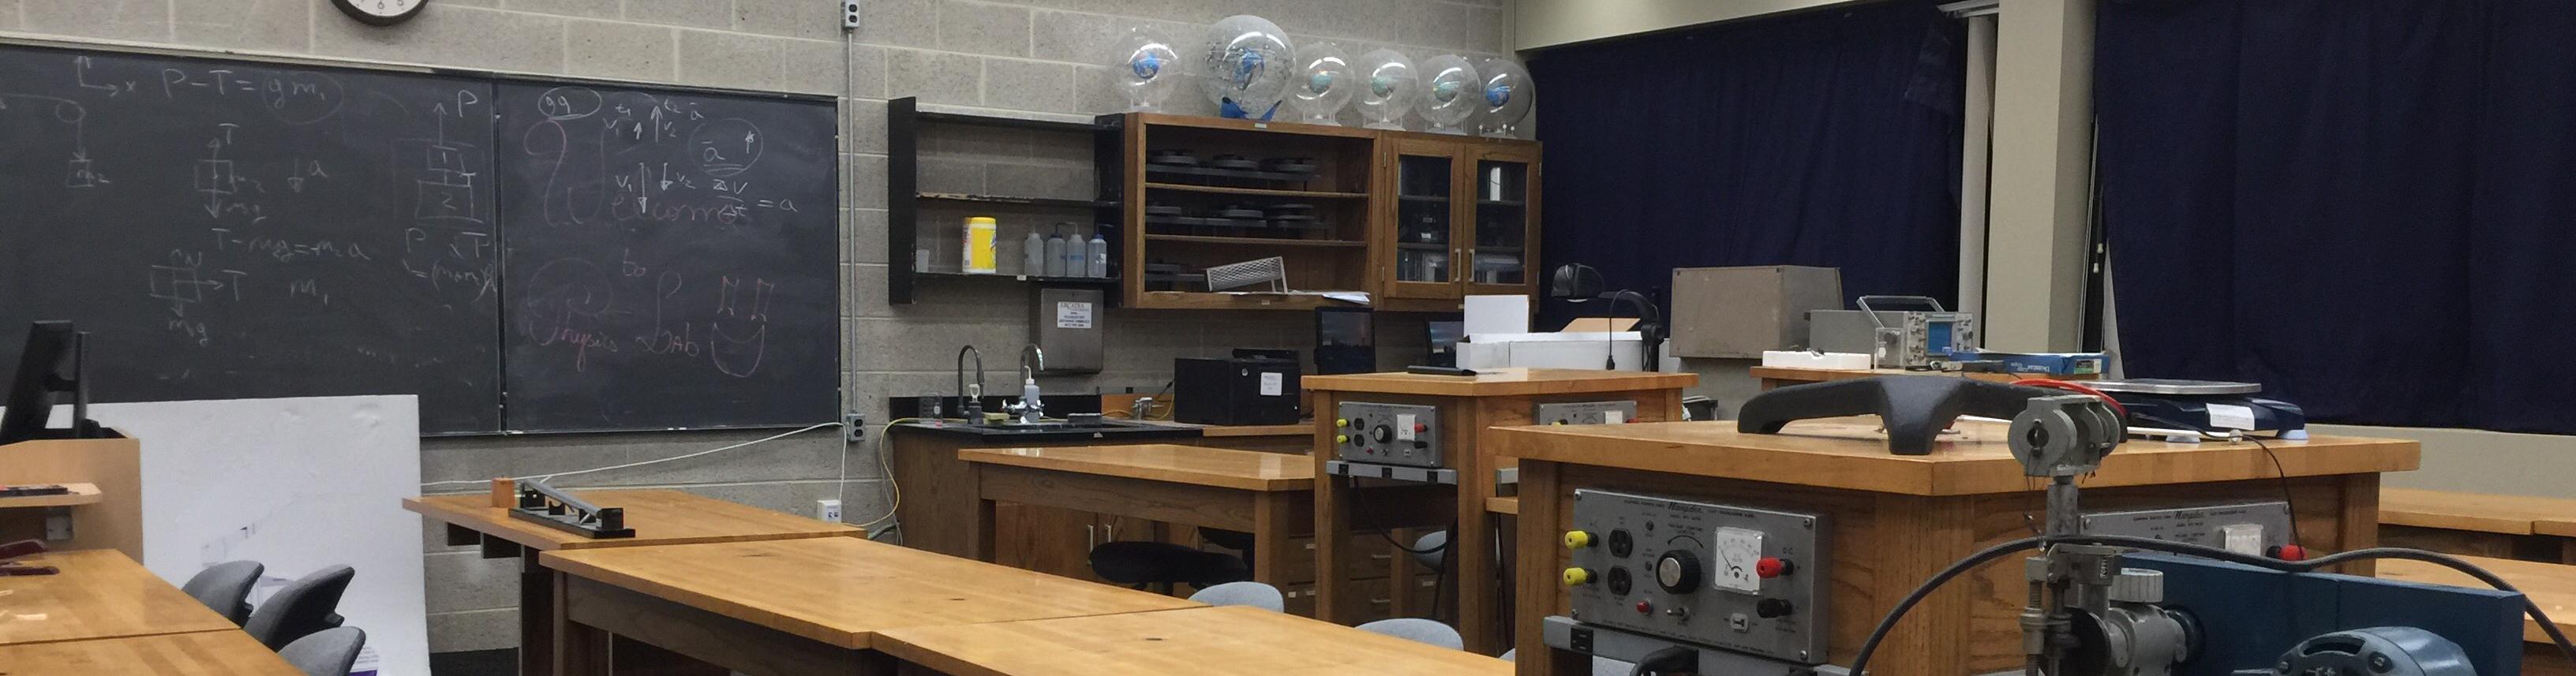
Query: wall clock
[(381, 12)]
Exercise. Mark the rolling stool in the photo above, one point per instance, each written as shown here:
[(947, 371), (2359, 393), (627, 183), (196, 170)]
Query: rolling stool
[(1163, 563)]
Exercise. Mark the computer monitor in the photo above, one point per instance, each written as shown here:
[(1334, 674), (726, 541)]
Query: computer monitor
[(1444, 341), (1345, 340), (49, 372)]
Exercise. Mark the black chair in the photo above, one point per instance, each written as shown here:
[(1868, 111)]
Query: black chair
[(307, 605), (329, 652), (1164, 563), (225, 587)]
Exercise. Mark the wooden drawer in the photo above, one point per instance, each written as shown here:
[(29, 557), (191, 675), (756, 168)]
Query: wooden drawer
[(1366, 556), (1380, 603)]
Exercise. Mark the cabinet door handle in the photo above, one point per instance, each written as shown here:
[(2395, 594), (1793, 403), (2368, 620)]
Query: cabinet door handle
[(1111, 532), (1090, 538)]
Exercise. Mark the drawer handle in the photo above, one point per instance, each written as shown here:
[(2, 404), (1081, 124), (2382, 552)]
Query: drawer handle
[(1381, 557), (1091, 537), (1380, 602)]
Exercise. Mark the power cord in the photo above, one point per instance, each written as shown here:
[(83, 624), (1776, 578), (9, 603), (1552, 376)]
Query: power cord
[(1887, 623), (2278, 470), (684, 456), (1668, 660)]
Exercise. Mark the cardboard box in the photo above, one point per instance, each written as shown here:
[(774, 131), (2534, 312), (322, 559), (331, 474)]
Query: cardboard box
[(1738, 313)]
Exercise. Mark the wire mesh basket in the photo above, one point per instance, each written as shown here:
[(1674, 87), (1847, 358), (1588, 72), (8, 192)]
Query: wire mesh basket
[(1272, 271)]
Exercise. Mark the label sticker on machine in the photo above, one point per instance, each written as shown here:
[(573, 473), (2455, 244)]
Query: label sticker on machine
[(2231, 417), (1271, 383), (1613, 417), (1404, 427), (1070, 314), (1738, 551)]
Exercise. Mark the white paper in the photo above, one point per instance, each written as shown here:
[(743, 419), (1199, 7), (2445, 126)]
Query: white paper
[(297, 484), (2231, 417), (1737, 552), (1497, 314), (1271, 384), (1072, 314), (1404, 427)]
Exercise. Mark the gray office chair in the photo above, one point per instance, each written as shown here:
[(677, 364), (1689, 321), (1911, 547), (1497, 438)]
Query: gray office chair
[(1246, 593), (329, 652), (1601, 666), (225, 587), (307, 605), (1420, 631)]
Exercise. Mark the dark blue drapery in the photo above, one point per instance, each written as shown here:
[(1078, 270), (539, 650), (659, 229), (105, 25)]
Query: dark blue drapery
[(1824, 138), (2367, 205)]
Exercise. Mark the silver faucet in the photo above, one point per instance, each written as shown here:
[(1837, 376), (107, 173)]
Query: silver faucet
[(1030, 408), (970, 403)]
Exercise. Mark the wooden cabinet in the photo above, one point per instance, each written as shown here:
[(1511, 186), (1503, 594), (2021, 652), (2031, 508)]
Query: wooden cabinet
[(1416, 220), (1059, 541), (1459, 216)]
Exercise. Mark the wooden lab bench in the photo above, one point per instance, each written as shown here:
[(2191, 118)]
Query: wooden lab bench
[(1775, 377), (1468, 407), (1895, 520), (2548, 585), (2501, 526), (1269, 495), (659, 517), (231, 652), (98, 594), (791, 607), (1196, 641)]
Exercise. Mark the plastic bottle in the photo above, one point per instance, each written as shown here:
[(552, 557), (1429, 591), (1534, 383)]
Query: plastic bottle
[(1099, 255), (977, 256), (1055, 256), (1033, 254)]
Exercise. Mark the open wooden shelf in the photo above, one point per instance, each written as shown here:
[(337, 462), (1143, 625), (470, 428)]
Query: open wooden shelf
[(82, 494), (1261, 241), (1210, 300), (1258, 192)]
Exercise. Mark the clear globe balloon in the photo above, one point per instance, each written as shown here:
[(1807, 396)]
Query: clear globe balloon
[(1508, 96), (1323, 84), (1246, 67), (1451, 93), (1147, 68), (1391, 84)]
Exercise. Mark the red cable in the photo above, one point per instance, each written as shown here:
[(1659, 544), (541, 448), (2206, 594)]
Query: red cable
[(2073, 387)]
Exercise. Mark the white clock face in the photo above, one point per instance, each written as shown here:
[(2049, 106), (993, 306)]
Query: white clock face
[(387, 8), (380, 12)]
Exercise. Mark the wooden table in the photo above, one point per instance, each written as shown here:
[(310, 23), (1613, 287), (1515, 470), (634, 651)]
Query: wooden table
[(811, 606), (99, 594), (2548, 585), (230, 652), (1774, 377), (659, 517), (1233, 640), (2503, 526), (1468, 407), (1895, 520), (1269, 495)]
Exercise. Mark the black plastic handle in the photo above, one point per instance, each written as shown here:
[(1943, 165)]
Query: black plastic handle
[(1913, 408)]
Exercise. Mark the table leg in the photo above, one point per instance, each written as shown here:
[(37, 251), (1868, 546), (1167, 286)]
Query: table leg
[(538, 612), (1332, 533), (1272, 512), (979, 535), (1473, 551), (2567, 551), (576, 649)]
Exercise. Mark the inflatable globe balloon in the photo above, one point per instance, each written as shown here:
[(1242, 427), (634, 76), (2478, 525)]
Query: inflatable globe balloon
[(1147, 68), (1508, 97), (1389, 85), (1451, 93), (1246, 66), (1323, 84)]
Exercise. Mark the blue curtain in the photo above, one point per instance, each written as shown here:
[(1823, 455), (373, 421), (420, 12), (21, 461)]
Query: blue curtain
[(2366, 205), (1825, 138)]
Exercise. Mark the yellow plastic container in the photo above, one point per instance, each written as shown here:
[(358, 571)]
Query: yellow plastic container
[(981, 237)]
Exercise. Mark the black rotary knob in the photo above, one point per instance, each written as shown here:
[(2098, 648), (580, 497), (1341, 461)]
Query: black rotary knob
[(1677, 571), (1382, 434)]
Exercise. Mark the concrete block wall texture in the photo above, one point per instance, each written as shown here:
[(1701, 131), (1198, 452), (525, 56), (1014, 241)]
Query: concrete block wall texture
[(1021, 57)]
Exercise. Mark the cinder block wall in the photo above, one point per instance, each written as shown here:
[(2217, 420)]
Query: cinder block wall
[(1036, 56)]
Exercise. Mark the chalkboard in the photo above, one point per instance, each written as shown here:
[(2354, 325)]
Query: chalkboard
[(673, 258), (226, 229)]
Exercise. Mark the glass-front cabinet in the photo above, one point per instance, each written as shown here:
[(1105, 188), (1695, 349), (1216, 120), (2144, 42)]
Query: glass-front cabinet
[(1460, 218)]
